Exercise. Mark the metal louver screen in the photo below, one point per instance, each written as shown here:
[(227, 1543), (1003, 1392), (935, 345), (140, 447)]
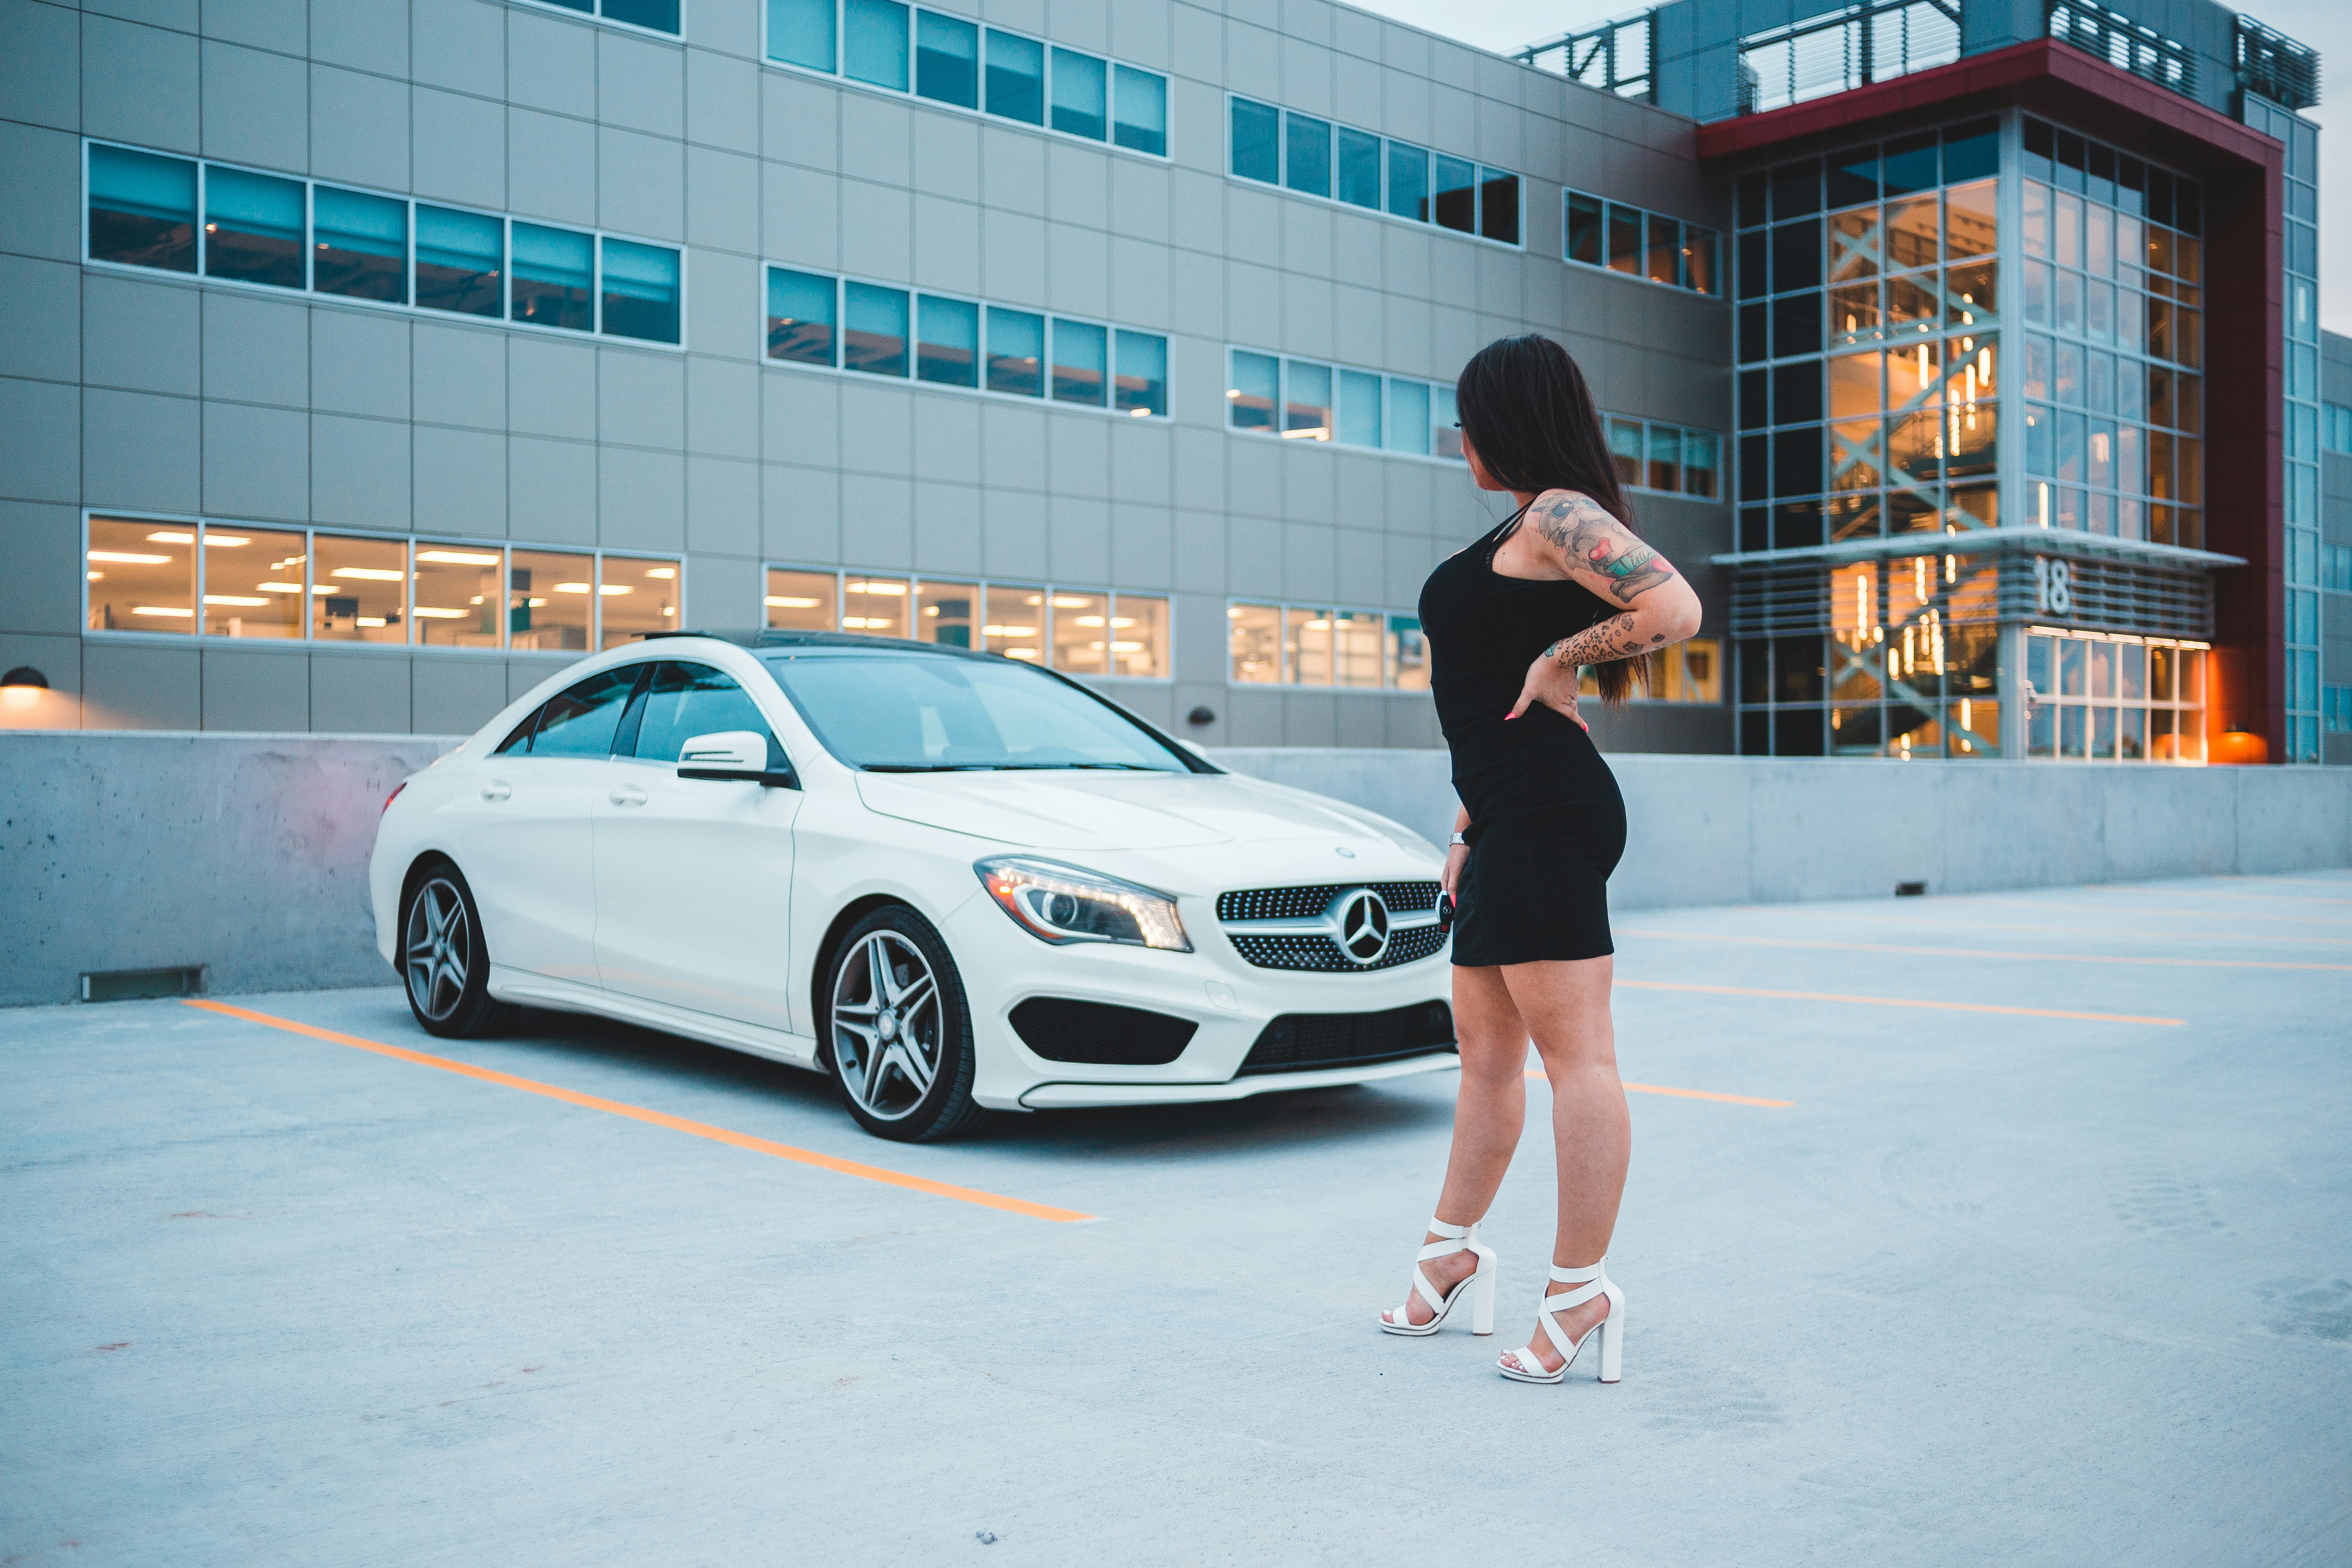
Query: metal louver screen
[(2062, 590)]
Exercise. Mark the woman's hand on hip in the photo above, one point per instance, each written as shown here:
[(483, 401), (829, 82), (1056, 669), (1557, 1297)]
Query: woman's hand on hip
[(1551, 683), (1456, 857)]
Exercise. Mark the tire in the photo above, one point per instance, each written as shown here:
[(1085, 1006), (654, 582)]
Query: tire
[(904, 1062), (444, 967)]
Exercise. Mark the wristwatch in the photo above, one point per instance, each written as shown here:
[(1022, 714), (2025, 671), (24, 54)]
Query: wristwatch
[(1458, 838)]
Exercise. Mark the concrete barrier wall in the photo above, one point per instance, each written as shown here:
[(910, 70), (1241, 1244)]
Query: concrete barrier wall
[(248, 853)]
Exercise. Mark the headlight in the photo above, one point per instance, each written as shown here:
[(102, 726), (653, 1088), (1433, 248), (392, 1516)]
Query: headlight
[(1062, 904)]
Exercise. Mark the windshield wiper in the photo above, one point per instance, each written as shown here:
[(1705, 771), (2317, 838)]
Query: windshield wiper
[(933, 767)]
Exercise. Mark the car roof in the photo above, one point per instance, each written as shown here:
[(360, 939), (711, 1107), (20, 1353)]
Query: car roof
[(772, 639)]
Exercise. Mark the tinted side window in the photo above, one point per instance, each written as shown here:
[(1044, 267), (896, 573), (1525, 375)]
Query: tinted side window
[(581, 721), (690, 699), (521, 739)]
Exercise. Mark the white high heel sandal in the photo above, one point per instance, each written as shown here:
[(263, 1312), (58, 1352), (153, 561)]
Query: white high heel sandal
[(1480, 1284), (1612, 1329)]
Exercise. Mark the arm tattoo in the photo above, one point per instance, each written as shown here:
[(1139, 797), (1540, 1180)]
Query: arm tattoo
[(1600, 642), (1579, 526)]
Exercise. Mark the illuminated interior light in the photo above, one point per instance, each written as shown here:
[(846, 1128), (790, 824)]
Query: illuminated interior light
[(535, 604), (369, 620), (244, 599), (474, 600), (669, 609), (432, 615), (368, 574), (172, 536), (789, 602), (663, 573), (1087, 620), (1008, 631), (128, 558), (571, 587), (1071, 601), (161, 610), (458, 557), (608, 589), (94, 576), (278, 587), (1141, 412), (1021, 653)]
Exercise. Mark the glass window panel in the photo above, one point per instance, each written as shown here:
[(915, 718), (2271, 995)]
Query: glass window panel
[(1254, 636), (1912, 303), (1853, 314), (1409, 417), (1306, 400), (689, 700), (458, 594), (947, 60), (1356, 650), (1969, 294), (1624, 239), (1141, 106), (1257, 141), (1360, 408), (801, 313), (1456, 200), (1700, 260), (640, 291), (1699, 461), (1306, 645), (874, 329), (1139, 640), (2098, 240), (1141, 386), (142, 209), (253, 581), (1665, 459), (945, 613), (1016, 77), (460, 257), (583, 719), (1015, 623), (1360, 169), (1796, 256), (800, 33), (359, 589), (141, 576), (1082, 640), (551, 275), (1016, 353), (1625, 449), (801, 600), (1584, 226), (878, 606), (551, 602), (658, 15), (1662, 261), (635, 598), (1255, 384), (947, 341), (1080, 90), (1307, 155), (1498, 205), (1408, 654), (1444, 424), (1080, 364), (873, 42), (1913, 233), (253, 228), (1853, 177), (1856, 242), (1407, 182), (360, 245)]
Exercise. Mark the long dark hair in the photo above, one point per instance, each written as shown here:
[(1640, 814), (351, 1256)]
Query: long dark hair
[(1526, 410)]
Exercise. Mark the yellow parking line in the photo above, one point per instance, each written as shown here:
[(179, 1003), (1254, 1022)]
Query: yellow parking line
[(1898, 1002), (1981, 952), (658, 1118), (1691, 1093)]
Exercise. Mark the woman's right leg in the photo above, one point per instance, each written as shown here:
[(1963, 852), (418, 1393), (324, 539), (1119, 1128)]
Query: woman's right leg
[(1489, 1108)]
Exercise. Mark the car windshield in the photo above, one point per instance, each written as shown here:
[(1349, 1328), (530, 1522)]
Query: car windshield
[(891, 712)]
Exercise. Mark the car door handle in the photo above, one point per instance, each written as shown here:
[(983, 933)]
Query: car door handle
[(497, 789), (627, 795)]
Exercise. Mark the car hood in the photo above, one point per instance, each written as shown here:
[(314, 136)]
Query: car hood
[(1076, 809)]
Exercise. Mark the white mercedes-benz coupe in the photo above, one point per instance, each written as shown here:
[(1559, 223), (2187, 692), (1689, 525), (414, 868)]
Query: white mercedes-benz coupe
[(953, 881)]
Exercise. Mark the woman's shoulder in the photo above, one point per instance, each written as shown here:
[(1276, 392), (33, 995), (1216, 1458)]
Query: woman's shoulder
[(1564, 516)]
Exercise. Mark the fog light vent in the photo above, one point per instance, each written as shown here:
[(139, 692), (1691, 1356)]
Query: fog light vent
[(142, 985), (1062, 1030)]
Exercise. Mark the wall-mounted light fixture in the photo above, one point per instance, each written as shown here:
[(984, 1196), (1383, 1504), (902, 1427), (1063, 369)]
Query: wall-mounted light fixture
[(22, 686)]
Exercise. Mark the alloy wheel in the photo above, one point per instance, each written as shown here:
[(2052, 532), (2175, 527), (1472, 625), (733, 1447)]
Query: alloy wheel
[(887, 1024), (436, 948)]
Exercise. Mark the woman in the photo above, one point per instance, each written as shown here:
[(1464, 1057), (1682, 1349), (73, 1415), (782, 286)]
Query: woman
[(1564, 584)]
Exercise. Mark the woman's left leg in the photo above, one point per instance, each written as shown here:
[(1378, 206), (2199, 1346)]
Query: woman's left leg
[(1566, 1005)]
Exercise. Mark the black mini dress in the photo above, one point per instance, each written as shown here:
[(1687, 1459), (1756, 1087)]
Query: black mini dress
[(1547, 824)]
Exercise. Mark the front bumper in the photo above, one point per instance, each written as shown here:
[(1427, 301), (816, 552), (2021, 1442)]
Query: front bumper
[(1229, 1000)]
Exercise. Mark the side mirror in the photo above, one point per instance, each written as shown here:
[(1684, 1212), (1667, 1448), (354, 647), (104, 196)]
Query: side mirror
[(737, 755)]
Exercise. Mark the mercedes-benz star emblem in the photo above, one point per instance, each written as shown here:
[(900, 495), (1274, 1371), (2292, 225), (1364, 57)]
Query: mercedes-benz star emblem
[(1364, 927)]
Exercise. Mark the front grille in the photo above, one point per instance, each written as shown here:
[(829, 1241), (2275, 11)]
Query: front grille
[(1061, 1030), (1301, 1041), (1320, 954), (1304, 903)]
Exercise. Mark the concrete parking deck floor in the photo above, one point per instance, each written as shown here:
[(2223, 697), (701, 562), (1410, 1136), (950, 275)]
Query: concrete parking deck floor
[(2050, 1261)]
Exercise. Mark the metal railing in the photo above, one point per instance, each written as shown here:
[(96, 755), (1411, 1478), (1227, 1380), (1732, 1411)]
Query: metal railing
[(1616, 56), (2124, 43), (1852, 47), (2276, 66)]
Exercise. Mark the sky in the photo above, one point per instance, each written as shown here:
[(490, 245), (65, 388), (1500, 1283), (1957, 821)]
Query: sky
[(1505, 26)]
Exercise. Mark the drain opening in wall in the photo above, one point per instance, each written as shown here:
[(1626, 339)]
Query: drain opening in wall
[(1910, 890), (142, 985)]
